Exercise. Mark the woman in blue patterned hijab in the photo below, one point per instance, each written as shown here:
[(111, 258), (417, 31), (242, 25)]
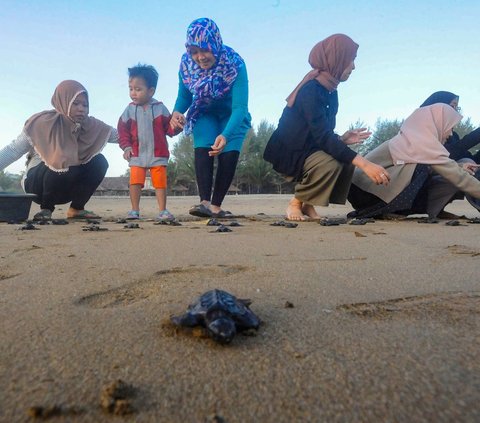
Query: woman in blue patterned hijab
[(211, 83), (213, 87)]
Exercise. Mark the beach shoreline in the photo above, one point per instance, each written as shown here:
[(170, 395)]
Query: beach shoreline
[(381, 322)]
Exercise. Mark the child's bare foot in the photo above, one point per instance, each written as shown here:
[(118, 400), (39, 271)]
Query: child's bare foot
[(294, 210), (309, 210)]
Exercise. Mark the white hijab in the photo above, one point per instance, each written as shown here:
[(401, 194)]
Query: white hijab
[(423, 134)]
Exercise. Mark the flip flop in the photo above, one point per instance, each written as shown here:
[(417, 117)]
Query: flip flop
[(85, 214), (223, 214), (200, 210), (43, 215)]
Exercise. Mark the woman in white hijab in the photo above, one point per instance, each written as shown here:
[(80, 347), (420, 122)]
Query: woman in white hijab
[(414, 158)]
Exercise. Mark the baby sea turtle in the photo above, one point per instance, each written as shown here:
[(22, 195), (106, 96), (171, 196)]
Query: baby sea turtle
[(213, 222), (132, 225), (93, 227), (29, 226), (223, 228), (332, 221), (362, 221), (221, 313), (285, 224)]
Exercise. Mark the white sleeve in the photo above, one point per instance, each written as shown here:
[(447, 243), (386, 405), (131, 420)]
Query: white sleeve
[(113, 136), (15, 150)]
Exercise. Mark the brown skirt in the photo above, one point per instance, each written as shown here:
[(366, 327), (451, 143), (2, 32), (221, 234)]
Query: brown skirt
[(325, 180)]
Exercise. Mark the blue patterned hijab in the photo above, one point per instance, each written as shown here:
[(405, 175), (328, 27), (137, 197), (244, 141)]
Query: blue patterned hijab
[(207, 84)]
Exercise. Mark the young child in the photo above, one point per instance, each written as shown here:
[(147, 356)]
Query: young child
[(142, 130)]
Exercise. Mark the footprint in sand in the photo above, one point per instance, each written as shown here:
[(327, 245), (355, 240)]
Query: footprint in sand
[(462, 249), (448, 304), (155, 284), (5, 276)]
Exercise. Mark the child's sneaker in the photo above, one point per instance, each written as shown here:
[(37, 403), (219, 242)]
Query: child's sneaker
[(133, 215), (165, 216)]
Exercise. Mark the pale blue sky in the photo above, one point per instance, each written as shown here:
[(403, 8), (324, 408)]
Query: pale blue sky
[(408, 49)]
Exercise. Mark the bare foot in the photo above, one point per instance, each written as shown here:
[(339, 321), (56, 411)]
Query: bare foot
[(83, 214), (310, 211), (71, 212), (294, 210), (215, 209)]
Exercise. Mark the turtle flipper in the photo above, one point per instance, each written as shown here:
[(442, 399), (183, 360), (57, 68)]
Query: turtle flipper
[(186, 319), (246, 320), (245, 301)]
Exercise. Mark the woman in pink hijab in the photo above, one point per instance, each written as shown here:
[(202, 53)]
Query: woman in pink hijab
[(64, 164), (415, 158), (305, 148)]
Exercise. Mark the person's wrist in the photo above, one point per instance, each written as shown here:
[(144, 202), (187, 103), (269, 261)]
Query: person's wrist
[(360, 162)]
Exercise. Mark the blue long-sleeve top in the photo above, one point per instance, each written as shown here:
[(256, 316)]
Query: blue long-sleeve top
[(234, 104)]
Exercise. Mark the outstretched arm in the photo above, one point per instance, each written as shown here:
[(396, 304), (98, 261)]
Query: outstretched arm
[(375, 172), (14, 151), (459, 177), (355, 136)]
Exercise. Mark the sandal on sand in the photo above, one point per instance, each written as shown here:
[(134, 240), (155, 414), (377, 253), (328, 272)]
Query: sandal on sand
[(85, 214), (165, 216), (200, 210), (447, 215), (224, 214), (44, 214)]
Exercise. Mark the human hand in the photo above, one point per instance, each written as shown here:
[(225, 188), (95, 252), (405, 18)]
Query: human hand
[(177, 121), (355, 136), (218, 146), (375, 172), (127, 154), (471, 168)]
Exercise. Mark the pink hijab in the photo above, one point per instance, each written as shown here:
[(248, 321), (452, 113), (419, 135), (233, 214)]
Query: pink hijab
[(329, 59), (60, 141), (423, 134)]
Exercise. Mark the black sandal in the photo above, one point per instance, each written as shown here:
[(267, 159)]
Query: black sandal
[(223, 214), (43, 215), (200, 210)]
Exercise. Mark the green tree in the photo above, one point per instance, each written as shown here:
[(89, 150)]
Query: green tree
[(384, 130), (182, 165), (10, 182), (255, 175), (464, 127)]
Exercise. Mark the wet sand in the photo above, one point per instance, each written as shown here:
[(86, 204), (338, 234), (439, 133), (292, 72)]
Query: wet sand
[(384, 324)]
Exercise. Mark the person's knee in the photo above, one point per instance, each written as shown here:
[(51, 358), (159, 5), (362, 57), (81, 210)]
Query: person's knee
[(102, 163), (330, 167)]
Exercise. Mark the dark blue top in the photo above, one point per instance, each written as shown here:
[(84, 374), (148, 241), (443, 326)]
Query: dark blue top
[(306, 127), (458, 148)]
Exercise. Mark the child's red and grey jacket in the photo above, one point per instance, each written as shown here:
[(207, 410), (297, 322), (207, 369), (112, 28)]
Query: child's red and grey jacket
[(143, 129)]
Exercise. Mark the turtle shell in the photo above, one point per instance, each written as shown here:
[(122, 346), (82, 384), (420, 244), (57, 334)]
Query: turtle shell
[(217, 300)]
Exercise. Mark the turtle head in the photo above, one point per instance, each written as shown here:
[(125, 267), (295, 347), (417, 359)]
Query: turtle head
[(222, 329)]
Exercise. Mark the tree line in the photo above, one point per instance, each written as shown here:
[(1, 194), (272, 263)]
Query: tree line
[(254, 175)]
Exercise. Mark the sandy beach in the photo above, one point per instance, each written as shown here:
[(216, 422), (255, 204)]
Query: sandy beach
[(383, 323)]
